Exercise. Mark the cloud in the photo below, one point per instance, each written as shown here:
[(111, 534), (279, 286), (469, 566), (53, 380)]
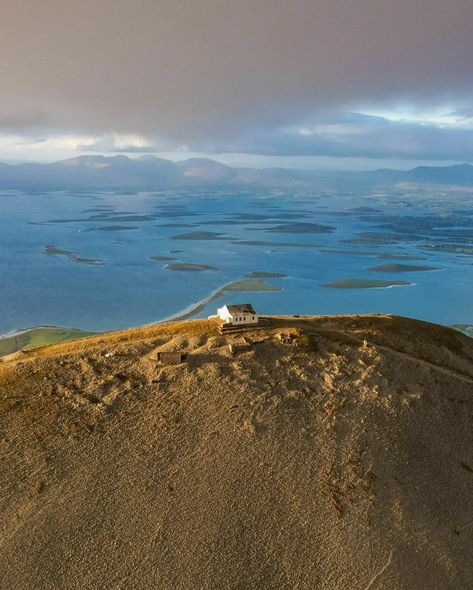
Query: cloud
[(21, 147), (337, 135), (357, 135), (217, 71), (116, 143)]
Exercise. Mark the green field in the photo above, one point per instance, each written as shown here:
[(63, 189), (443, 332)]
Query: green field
[(466, 329), (36, 337)]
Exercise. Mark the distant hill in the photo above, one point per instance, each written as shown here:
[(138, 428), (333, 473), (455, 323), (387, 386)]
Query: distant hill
[(151, 173), (335, 453), (459, 174)]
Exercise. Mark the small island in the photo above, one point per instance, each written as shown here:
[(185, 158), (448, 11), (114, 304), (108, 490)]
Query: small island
[(365, 284), (253, 285), (199, 235), (402, 268), (188, 266), (109, 228), (302, 228), (51, 250), (250, 285)]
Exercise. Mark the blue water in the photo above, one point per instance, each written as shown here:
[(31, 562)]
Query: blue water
[(129, 288)]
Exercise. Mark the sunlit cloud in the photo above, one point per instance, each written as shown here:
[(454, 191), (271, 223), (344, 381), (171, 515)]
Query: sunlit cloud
[(53, 146), (376, 136), (120, 143), (48, 147), (334, 130), (439, 117)]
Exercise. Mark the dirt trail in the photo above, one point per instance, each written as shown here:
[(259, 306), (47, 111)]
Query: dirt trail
[(400, 353)]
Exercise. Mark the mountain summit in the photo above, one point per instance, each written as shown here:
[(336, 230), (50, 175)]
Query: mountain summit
[(331, 452)]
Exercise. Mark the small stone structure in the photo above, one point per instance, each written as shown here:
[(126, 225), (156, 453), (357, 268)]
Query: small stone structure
[(237, 347), (165, 357)]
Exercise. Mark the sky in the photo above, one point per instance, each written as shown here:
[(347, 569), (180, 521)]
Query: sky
[(337, 84)]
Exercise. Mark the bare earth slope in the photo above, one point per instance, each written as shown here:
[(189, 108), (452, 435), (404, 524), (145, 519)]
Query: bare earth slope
[(338, 458)]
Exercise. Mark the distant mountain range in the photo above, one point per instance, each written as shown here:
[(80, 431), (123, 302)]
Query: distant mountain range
[(151, 173)]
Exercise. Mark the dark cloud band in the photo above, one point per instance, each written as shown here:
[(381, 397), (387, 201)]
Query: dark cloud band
[(212, 73)]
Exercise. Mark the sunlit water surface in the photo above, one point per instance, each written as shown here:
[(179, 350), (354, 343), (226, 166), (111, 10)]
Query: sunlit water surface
[(84, 259)]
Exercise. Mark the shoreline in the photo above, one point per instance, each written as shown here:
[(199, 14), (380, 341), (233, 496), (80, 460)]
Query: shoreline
[(198, 306), (184, 314), (194, 308)]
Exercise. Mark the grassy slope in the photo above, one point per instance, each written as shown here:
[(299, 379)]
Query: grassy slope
[(36, 337)]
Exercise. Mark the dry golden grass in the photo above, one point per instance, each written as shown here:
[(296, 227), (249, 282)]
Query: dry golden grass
[(190, 327)]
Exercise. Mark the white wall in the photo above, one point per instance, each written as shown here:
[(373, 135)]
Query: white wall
[(223, 314), (239, 320)]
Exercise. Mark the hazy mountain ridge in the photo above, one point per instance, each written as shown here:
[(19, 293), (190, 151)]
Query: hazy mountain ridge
[(150, 172)]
